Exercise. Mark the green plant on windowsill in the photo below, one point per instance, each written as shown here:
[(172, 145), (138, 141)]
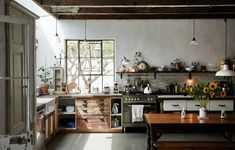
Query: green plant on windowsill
[(44, 73)]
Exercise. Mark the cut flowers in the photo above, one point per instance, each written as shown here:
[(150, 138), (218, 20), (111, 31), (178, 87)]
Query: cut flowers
[(202, 92)]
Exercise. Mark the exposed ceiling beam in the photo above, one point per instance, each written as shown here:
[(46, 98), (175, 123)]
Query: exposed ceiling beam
[(148, 16), (133, 2), (182, 10)]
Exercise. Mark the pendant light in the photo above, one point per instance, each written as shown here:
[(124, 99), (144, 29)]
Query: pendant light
[(194, 42), (225, 71), (57, 38)]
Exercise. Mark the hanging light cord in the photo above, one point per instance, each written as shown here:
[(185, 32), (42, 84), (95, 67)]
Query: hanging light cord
[(56, 21), (225, 20), (85, 29), (194, 28)]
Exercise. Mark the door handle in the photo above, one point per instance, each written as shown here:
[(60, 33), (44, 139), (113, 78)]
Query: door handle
[(175, 105), (221, 105), (24, 86), (197, 105)]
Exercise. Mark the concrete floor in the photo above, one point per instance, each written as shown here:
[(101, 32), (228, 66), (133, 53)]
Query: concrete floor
[(99, 141)]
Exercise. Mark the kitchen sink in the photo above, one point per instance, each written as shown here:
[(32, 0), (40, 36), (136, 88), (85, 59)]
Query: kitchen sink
[(49, 104)]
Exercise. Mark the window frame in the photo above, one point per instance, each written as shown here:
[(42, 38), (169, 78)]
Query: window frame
[(79, 59)]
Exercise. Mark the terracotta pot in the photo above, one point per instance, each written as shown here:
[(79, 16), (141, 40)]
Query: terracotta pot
[(44, 89)]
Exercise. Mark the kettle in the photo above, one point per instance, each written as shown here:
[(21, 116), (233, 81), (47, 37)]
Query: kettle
[(147, 90)]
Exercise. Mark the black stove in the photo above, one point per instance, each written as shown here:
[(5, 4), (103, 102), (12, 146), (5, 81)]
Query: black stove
[(139, 98)]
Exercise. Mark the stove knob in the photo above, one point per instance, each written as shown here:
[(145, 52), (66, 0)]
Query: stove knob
[(134, 99), (138, 99)]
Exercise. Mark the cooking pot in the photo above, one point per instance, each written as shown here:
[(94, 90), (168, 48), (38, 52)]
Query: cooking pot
[(147, 90)]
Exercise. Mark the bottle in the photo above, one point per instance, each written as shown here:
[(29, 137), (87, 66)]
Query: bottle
[(176, 88), (223, 114), (115, 108), (183, 114)]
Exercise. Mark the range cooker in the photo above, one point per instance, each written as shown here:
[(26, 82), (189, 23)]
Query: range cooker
[(150, 106)]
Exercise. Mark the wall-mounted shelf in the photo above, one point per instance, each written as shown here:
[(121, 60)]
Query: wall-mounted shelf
[(158, 72)]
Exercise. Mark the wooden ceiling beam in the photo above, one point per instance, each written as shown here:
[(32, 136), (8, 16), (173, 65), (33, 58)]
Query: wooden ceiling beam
[(133, 2), (148, 16), (139, 10)]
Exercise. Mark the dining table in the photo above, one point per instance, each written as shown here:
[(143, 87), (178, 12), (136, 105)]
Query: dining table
[(158, 124)]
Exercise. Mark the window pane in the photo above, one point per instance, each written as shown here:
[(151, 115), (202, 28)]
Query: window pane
[(108, 48), (84, 49), (108, 80), (91, 66), (72, 66), (95, 48), (72, 49), (108, 68), (72, 79), (96, 66), (96, 81)]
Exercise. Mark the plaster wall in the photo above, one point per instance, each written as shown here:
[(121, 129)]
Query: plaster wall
[(160, 41)]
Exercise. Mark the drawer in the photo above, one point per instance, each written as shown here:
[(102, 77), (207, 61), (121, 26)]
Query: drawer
[(93, 122), (174, 105), (192, 105), (92, 111), (218, 105)]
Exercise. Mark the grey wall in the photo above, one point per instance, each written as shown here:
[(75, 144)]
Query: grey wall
[(2, 70), (160, 41)]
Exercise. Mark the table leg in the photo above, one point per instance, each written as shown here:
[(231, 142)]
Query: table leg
[(148, 137)]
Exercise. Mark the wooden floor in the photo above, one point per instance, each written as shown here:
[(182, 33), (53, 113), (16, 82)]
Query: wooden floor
[(99, 141)]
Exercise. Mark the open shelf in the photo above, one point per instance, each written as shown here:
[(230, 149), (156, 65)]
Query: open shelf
[(116, 114), (159, 72), (67, 113)]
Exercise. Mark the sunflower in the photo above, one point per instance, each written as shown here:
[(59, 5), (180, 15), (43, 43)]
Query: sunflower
[(223, 93), (205, 90), (213, 86), (212, 94)]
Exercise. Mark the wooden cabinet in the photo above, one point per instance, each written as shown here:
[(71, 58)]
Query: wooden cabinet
[(58, 78), (192, 105), (93, 113), (218, 105), (66, 113), (50, 126), (174, 105)]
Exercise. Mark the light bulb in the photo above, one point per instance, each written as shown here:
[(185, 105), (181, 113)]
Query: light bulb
[(57, 38), (194, 42)]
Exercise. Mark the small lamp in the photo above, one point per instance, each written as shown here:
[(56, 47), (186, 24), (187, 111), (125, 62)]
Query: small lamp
[(57, 38), (194, 42), (225, 72)]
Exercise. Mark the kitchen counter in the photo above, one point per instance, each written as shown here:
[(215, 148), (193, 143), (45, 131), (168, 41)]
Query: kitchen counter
[(185, 97)]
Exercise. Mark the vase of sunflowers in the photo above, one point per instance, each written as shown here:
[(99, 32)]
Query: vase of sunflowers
[(202, 92)]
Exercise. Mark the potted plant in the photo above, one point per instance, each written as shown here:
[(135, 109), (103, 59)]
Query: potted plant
[(202, 92), (44, 73)]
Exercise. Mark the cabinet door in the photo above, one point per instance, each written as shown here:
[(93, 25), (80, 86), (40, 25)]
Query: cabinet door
[(218, 105), (92, 107), (93, 122), (192, 105), (174, 105)]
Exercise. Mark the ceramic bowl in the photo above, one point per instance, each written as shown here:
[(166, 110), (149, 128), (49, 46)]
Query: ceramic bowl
[(70, 108)]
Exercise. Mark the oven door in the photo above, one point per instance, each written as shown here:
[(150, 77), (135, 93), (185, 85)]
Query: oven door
[(127, 114), (40, 129)]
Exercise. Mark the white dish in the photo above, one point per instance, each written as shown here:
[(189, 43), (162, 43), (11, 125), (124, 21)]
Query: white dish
[(70, 108), (160, 69), (189, 69)]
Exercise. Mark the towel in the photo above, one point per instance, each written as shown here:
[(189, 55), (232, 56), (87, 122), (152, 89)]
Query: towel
[(137, 113)]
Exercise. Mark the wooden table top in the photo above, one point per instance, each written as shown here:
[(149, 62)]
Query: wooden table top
[(190, 119)]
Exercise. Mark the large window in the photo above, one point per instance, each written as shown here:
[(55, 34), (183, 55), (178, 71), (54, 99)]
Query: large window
[(90, 63)]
